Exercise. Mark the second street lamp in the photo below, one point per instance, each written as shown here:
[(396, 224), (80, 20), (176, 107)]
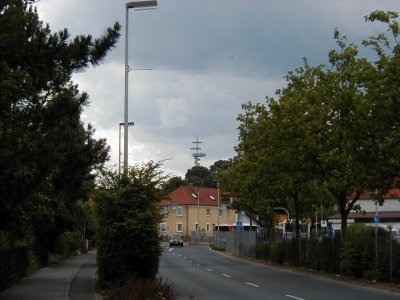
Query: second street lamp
[(140, 5), (119, 148)]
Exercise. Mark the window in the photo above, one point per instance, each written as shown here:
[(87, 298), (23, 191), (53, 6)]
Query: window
[(179, 227), (208, 227), (208, 212), (179, 211), (163, 227), (196, 226)]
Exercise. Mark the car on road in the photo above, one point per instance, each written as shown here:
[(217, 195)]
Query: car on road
[(176, 240)]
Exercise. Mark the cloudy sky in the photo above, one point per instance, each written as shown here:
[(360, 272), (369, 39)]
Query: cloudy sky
[(207, 58)]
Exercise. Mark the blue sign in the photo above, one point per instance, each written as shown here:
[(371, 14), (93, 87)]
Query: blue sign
[(376, 219), (239, 226)]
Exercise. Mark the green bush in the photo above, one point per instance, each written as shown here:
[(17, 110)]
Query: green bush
[(68, 243), (128, 242), (277, 253), (350, 260), (324, 254), (262, 251), (358, 256), (141, 289)]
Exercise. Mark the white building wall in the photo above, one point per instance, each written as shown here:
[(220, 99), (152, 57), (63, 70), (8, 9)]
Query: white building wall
[(388, 205)]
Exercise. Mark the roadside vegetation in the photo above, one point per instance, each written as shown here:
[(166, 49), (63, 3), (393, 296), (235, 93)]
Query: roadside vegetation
[(354, 256), (329, 135), (48, 156), (127, 218)]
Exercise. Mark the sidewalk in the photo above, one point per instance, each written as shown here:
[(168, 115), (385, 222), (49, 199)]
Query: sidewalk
[(72, 279)]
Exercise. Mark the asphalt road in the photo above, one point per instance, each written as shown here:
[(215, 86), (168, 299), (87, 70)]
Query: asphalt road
[(196, 272), (72, 279)]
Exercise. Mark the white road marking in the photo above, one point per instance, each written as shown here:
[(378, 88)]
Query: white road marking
[(180, 254), (252, 284), (198, 265), (208, 269), (226, 275), (170, 249), (294, 297), (184, 257)]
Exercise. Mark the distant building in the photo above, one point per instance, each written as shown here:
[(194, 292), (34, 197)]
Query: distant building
[(189, 208), (388, 212)]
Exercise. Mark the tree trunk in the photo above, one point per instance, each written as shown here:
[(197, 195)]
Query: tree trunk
[(345, 206)]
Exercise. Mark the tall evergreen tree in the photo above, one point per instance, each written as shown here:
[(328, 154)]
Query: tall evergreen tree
[(46, 153)]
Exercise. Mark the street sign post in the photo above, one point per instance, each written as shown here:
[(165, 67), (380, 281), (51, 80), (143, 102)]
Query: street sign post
[(376, 219)]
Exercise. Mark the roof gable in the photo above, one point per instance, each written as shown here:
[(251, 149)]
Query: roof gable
[(187, 195), (391, 194)]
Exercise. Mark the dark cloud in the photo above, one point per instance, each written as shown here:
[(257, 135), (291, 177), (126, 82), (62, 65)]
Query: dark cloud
[(208, 57)]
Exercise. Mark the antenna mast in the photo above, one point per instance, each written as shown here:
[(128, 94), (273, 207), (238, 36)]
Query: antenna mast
[(197, 154)]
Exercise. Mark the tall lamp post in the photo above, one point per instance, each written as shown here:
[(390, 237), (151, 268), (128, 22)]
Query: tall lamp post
[(198, 216), (119, 147), (218, 216), (141, 5)]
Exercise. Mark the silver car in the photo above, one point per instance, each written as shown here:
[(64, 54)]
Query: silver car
[(176, 240)]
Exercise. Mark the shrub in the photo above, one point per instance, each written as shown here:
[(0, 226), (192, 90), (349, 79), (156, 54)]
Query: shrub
[(324, 254), (141, 289), (277, 253), (128, 244), (263, 251), (350, 260), (68, 243), (358, 256)]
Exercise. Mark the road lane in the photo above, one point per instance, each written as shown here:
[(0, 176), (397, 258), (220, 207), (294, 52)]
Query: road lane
[(193, 281), (205, 274)]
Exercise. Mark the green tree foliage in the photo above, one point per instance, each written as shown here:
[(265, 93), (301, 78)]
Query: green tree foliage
[(199, 176), (218, 166), (128, 217), (333, 129), (46, 154), (173, 183)]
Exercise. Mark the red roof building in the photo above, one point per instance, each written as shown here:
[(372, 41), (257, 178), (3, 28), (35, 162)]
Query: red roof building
[(189, 208)]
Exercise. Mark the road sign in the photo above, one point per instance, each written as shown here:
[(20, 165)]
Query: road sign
[(376, 219), (239, 226)]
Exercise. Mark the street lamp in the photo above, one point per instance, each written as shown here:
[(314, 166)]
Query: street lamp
[(218, 217), (119, 147), (198, 215), (141, 5)]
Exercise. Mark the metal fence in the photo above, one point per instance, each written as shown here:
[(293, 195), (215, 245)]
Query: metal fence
[(13, 264), (197, 237), (239, 243)]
